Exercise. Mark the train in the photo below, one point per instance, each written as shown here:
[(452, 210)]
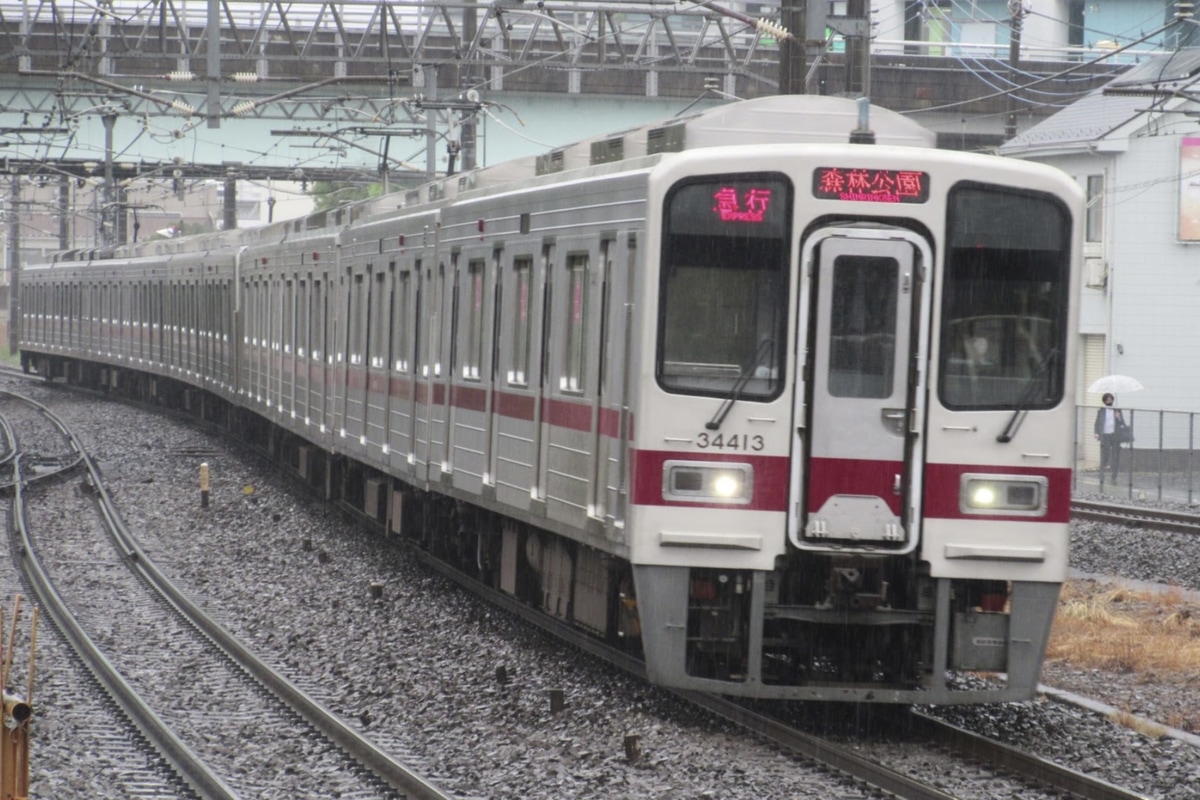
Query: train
[(776, 394)]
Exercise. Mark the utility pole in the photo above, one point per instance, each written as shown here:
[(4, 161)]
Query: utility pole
[(230, 204), (858, 49), (108, 207), (792, 16), (14, 265), (64, 212), (1016, 9)]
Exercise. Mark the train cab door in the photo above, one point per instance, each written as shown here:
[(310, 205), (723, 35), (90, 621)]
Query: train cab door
[(860, 404)]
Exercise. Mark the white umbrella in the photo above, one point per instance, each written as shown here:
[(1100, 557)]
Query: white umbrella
[(1116, 384)]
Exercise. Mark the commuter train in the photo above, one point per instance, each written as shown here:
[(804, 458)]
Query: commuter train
[(776, 393)]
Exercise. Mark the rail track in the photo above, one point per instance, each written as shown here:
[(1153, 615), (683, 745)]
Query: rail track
[(179, 677), (1135, 516)]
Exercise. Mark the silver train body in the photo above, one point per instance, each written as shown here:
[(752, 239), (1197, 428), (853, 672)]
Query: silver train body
[(789, 413)]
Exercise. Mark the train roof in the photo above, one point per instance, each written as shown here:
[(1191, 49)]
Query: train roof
[(777, 119)]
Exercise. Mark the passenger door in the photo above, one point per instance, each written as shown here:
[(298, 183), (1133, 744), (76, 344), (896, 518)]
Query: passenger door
[(856, 479)]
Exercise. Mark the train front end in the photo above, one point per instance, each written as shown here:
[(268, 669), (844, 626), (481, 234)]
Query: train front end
[(851, 459)]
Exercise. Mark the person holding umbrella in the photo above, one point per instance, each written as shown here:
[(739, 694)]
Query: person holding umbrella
[(1108, 429)]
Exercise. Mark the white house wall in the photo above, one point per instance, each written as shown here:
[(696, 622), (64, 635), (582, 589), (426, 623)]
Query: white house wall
[(1154, 279), (1093, 299)]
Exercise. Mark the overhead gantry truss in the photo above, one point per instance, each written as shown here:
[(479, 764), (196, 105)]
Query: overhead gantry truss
[(297, 59)]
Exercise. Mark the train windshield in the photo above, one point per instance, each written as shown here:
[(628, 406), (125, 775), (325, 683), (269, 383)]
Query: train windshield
[(724, 287), (1004, 307)]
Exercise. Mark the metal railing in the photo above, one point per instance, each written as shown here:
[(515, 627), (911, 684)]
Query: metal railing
[(1162, 463)]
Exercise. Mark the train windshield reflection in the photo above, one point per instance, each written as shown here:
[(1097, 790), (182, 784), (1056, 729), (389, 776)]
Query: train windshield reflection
[(1005, 302)]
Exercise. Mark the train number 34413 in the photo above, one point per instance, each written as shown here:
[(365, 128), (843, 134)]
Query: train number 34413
[(732, 441)]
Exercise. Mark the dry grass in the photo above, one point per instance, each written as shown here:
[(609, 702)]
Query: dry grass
[(1110, 627)]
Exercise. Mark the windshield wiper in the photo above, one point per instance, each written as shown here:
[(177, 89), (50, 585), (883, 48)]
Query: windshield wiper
[(1039, 378), (765, 348)]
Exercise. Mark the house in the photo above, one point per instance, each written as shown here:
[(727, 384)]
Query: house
[(1134, 145)]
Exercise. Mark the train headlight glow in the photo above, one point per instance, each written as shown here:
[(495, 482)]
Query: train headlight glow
[(708, 482), (1023, 495)]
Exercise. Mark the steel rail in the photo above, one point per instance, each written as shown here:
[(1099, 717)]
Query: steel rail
[(1002, 756), (187, 764), (392, 772), (1135, 516), (184, 761)]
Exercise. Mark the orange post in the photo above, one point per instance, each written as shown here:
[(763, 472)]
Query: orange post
[(204, 485), (18, 713)]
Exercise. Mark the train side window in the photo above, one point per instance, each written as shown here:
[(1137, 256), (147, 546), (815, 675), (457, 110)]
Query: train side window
[(473, 355), (522, 321), (723, 287), (1004, 300), (574, 354)]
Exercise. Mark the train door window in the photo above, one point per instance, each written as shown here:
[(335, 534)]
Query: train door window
[(72, 310), (316, 313), (279, 313), (401, 322), (302, 318), (192, 325), (1004, 301), (575, 351), (433, 357), (261, 312), (724, 286), (473, 354), (357, 320), (49, 306), (377, 337), (522, 321), (289, 316), (862, 336)]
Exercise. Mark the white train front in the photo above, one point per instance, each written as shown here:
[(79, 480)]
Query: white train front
[(791, 413)]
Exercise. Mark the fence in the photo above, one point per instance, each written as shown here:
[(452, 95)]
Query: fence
[(1161, 464)]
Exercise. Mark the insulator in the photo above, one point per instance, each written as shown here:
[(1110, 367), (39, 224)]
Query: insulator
[(245, 77), (765, 25), (183, 107), (244, 107), (181, 75)]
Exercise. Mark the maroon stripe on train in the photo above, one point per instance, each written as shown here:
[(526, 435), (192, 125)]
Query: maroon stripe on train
[(471, 398), (942, 483), (610, 423), (516, 406), (401, 387), (833, 476), (565, 414), (771, 476)]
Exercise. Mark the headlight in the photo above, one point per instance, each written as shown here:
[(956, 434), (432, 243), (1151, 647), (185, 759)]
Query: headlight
[(1002, 494), (707, 482)]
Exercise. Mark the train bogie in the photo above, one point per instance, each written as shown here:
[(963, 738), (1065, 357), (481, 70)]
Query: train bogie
[(791, 413)]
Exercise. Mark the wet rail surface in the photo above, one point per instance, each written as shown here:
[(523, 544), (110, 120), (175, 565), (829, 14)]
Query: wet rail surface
[(182, 680), (1135, 516)]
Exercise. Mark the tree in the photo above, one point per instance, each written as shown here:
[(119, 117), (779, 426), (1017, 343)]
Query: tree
[(328, 194)]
